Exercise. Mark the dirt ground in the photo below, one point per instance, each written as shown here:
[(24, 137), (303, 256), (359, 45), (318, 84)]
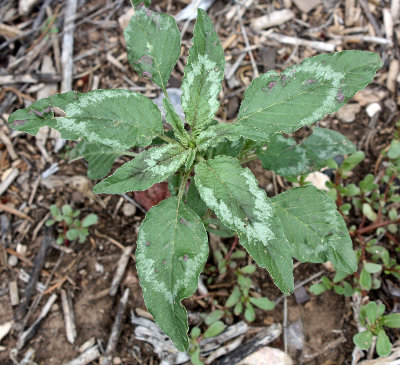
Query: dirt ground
[(31, 44)]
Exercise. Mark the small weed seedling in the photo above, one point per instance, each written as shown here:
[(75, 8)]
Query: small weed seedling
[(375, 200), (172, 245), (371, 317), (70, 228)]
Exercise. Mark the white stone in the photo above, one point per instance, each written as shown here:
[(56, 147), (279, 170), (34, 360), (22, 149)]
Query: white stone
[(318, 179), (21, 249), (12, 261), (373, 109), (348, 112), (128, 209), (267, 356)]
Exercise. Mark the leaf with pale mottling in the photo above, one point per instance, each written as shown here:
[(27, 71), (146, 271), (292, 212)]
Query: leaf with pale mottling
[(154, 44), (116, 118), (151, 166), (314, 228), (204, 72), (303, 94), (172, 251), (173, 119), (287, 158), (99, 157), (232, 192)]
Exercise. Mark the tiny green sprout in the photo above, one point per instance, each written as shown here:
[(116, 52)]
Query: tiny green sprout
[(242, 299), (207, 155), (373, 319), (69, 227)]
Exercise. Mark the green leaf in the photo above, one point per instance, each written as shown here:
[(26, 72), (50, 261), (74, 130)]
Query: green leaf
[(72, 234), (151, 166), (49, 223), (303, 94), (216, 134), (372, 268), (392, 320), (369, 212), (172, 251), (314, 228), (139, 2), (215, 226), (363, 340), (365, 279), (99, 157), (55, 212), (154, 45), (173, 119), (352, 161), (394, 150), (383, 345), (116, 118), (194, 200), (248, 269), (318, 289), (233, 193), (213, 317), (238, 310), (203, 76), (263, 303), (195, 332), (89, 220), (287, 158), (371, 311), (249, 313), (234, 297), (244, 282), (66, 210), (215, 329)]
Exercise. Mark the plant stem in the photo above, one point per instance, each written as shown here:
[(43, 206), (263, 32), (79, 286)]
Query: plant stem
[(183, 184), (248, 158), (167, 139), (374, 226)]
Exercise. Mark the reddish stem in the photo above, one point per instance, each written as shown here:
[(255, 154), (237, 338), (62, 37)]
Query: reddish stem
[(374, 226), (234, 244)]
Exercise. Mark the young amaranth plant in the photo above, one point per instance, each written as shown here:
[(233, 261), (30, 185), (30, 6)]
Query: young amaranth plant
[(172, 245)]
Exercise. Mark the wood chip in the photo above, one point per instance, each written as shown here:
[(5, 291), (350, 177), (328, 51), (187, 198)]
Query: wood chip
[(30, 332), (9, 176), (319, 46), (121, 267), (272, 20), (69, 316), (9, 31), (5, 328), (392, 75), (116, 329), (87, 357), (13, 290)]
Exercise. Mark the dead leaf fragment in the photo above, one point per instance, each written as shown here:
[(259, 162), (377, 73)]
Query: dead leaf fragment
[(306, 5)]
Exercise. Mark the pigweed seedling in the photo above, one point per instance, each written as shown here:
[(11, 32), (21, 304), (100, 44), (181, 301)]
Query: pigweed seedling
[(69, 227), (172, 245)]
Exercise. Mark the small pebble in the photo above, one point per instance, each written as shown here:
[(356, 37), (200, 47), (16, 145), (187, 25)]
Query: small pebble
[(373, 109), (12, 261), (117, 361), (128, 210), (99, 268), (21, 249)]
